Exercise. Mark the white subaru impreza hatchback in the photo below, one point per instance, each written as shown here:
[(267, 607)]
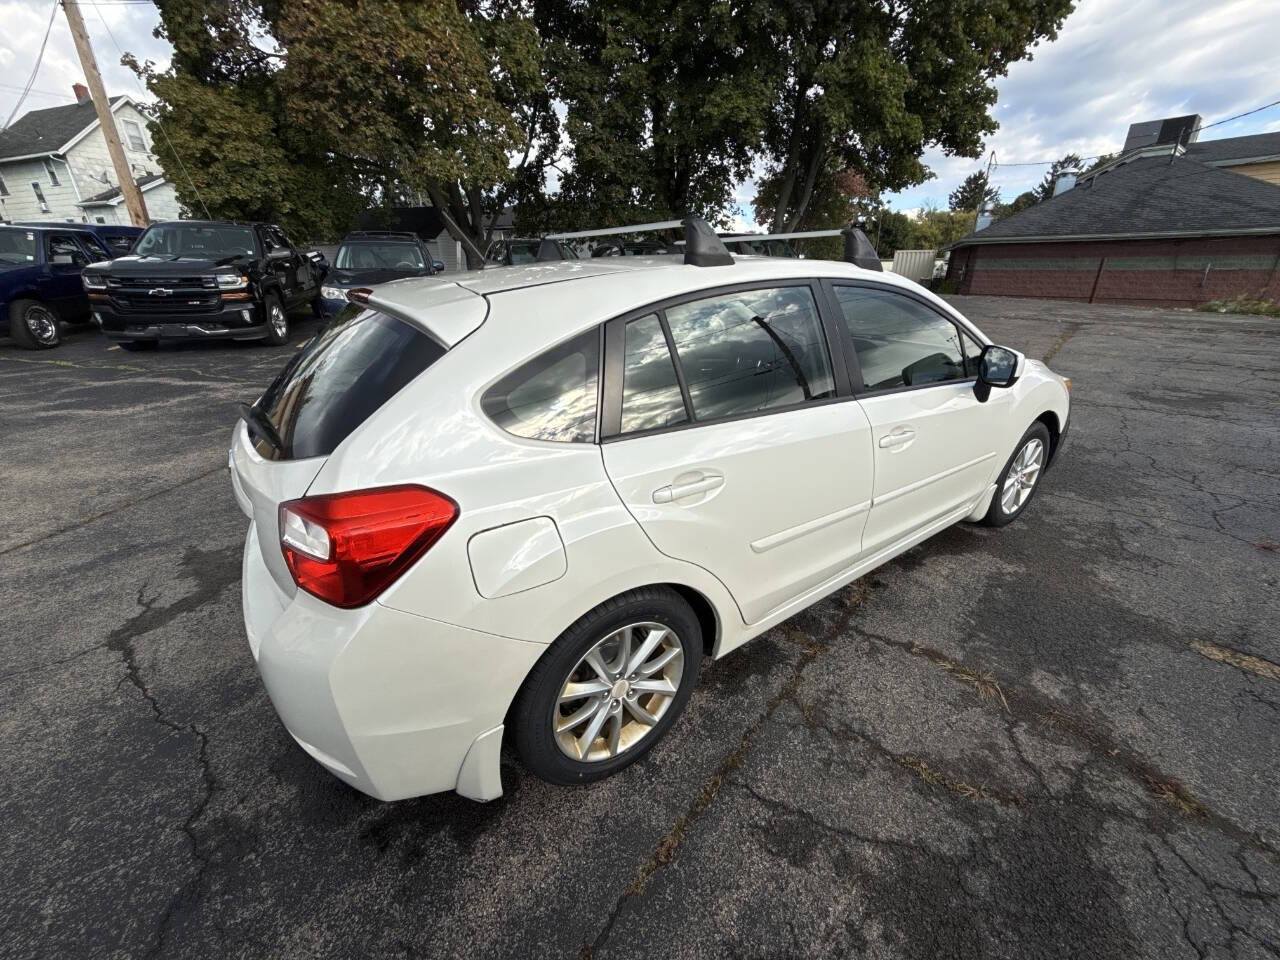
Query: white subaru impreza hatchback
[(528, 501)]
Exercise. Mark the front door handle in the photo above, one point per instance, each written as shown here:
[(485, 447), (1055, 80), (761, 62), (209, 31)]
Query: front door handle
[(898, 437), (678, 491)]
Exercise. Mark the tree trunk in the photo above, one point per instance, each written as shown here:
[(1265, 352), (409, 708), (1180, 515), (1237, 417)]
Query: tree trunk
[(815, 162)]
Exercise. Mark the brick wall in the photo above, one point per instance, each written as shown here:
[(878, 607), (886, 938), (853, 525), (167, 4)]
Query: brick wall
[(1154, 272)]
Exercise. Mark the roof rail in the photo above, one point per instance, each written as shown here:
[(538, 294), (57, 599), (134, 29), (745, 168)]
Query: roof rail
[(702, 245), (383, 234), (858, 250)]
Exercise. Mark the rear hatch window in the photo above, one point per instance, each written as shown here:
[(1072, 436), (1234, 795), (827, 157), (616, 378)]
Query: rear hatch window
[(358, 363)]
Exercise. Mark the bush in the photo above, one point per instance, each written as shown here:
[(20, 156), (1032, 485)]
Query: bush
[(1243, 304)]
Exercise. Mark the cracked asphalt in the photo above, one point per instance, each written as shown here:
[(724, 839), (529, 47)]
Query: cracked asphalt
[(1059, 739)]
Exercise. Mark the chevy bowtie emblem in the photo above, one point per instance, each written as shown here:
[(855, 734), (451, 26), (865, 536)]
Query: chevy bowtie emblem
[(159, 291)]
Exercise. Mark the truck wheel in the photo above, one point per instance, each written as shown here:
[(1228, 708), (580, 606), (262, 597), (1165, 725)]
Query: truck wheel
[(277, 320), (33, 325)]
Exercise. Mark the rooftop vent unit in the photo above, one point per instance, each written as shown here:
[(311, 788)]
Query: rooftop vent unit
[(1065, 181)]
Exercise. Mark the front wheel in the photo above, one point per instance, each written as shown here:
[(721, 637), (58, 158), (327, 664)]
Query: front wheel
[(609, 688), (33, 325), (1020, 477), (277, 321)]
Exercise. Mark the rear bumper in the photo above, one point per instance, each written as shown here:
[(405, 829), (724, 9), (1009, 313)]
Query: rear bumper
[(394, 704), (238, 321)]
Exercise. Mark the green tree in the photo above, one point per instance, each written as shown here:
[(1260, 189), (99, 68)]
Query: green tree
[(973, 193), (1070, 161), (867, 85), (1017, 205)]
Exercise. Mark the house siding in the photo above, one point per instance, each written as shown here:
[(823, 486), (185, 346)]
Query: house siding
[(1152, 272), (1268, 172), (21, 203)]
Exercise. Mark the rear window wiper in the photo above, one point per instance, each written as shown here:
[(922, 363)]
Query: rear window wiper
[(260, 426)]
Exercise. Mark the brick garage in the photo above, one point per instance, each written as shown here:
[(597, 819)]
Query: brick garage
[(1155, 272), (1163, 230)]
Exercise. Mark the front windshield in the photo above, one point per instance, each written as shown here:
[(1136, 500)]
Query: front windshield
[(379, 256), (17, 246), (192, 241)]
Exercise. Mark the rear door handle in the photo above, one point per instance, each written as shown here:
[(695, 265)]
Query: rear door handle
[(898, 437), (678, 491)]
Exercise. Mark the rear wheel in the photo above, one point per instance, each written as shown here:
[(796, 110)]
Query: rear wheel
[(277, 320), (1020, 477), (33, 325), (609, 688), (137, 346)]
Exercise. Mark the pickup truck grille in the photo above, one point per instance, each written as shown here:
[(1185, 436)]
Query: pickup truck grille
[(181, 295)]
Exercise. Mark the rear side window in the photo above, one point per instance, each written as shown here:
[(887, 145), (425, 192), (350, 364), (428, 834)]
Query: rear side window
[(553, 396), (899, 341), (347, 372), (650, 391), (751, 350)]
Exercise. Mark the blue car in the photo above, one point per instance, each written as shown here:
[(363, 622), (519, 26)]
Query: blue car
[(40, 280), (117, 238), (369, 257)]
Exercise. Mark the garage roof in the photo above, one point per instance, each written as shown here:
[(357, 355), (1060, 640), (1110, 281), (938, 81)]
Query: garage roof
[(1236, 149), (1146, 197)]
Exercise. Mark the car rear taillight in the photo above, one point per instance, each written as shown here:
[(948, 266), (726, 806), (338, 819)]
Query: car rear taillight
[(346, 548)]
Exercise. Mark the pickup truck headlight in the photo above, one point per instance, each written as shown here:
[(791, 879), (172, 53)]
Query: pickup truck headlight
[(333, 293), (93, 283), (231, 281)]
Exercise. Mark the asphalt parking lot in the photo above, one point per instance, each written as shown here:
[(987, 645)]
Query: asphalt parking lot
[(1060, 739)]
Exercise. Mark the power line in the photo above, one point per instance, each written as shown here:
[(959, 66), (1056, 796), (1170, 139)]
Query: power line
[(53, 10), (1265, 106), (160, 126)]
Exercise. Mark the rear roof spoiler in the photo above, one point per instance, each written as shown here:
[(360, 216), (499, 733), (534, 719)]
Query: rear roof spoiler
[(858, 250)]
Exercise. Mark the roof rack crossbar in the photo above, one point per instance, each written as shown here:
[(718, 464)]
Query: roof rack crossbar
[(858, 250), (801, 235), (611, 231)]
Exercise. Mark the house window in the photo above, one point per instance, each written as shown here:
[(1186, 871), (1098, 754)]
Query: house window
[(53, 174), (4, 191), (44, 207), (134, 134)]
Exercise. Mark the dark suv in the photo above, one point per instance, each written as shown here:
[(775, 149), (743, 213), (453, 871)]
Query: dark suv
[(368, 257), (206, 280), (40, 280)]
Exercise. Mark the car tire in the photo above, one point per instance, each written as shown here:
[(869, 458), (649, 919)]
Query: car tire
[(137, 346), (1020, 478), (277, 320), (317, 307), (550, 729), (34, 325)]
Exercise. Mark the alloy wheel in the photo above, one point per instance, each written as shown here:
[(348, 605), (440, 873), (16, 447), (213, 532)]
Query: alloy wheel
[(42, 324), (279, 323), (1022, 476), (616, 694)]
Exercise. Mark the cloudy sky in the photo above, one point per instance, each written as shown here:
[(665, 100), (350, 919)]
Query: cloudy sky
[(1115, 62)]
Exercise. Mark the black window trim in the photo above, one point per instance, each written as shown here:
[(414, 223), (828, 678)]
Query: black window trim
[(860, 392), (615, 343)]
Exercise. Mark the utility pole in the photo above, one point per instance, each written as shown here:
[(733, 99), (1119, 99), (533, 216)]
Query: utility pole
[(133, 201)]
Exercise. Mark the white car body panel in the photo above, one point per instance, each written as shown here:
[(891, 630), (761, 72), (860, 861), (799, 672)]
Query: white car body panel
[(408, 694)]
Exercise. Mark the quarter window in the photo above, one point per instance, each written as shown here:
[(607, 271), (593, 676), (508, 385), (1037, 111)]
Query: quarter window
[(651, 395), (553, 396), (899, 342), (751, 350)]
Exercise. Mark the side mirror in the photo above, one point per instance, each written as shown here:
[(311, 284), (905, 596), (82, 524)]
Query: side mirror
[(437, 266), (997, 367)]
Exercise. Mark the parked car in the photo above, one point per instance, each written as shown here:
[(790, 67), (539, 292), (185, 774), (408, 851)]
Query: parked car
[(40, 280), (203, 279), (630, 248), (117, 238), (513, 251), (752, 246), (369, 257), (531, 501)]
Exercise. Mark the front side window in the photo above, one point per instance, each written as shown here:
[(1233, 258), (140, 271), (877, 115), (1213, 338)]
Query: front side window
[(63, 251), (751, 350), (553, 396), (899, 341), (651, 396)]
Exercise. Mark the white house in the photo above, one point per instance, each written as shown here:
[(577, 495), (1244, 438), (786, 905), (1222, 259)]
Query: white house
[(54, 165)]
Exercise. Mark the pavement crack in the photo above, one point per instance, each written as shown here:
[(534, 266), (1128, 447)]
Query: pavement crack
[(1071, 331), (667, 848), (1242, 661)]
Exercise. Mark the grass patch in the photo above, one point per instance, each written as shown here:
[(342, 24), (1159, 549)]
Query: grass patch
[(1243, 304)]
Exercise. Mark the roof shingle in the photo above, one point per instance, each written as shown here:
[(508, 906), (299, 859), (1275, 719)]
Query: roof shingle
[(1236, 148), (48, 130)]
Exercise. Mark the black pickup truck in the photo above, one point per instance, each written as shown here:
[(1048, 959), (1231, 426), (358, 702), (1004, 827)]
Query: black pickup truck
[(203, 279)]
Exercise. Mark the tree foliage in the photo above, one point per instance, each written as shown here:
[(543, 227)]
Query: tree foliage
[(1017, 204), (973, 192), (1070, 161)]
